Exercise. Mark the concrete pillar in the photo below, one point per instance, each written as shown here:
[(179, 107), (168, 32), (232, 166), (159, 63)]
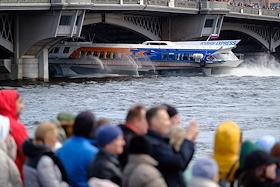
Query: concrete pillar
[(29, 67), (16, 66), (43, 65)]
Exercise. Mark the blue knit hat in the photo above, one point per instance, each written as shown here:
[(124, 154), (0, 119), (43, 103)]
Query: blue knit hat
[(205, 168), (106, 134)]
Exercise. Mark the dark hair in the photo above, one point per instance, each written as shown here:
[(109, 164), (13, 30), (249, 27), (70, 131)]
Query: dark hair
[(275, 151), (152, 112), (134, 112), (139, 145), (84, 124), (172, 111)]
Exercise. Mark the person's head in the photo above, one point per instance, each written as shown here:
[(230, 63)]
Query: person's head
[(275, 151), (227, 145), (246, 148), (4, 128), (84, 124), (136, 119), (266, 142), (110, 139), (139, 145), (102, 121), (262, 165), (11, 103), (158, 120), (205, 168), (174, 115), (46, 133), (66, 121)]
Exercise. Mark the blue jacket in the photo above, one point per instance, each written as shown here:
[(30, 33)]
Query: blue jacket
[(76, 155), (171, 164)]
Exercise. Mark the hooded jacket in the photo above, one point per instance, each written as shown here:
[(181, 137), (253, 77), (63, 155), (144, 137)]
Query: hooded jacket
[(9, 173), (17, 129), (140, 171), (226, 149), (39, 169)]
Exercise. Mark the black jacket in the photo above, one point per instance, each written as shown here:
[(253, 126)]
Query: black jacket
[(171, 164), (106, 166), (127, 135)]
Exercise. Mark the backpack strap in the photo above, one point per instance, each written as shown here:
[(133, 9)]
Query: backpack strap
[(59, 164)]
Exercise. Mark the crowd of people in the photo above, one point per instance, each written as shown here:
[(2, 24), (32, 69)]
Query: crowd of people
[(150, 149)]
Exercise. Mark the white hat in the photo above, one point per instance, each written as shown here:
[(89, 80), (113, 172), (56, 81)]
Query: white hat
[(4, 128)]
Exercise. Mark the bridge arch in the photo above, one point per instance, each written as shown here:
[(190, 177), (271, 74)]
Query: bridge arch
[(148, 26), (245, 30)]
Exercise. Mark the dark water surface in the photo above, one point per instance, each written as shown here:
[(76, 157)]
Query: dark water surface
[(252, 102)]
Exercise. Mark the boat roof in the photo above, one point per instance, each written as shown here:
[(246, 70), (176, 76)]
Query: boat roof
[(207, 45)]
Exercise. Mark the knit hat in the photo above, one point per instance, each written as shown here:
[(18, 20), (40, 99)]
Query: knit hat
[(139, 145), (4, 128), (258, 158), (65, 117), (205, 168), (246, 148), (171, 110), (84, 123), (266, 142), (106, 134)]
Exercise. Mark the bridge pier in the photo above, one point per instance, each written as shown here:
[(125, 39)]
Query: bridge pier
[(43, 65)]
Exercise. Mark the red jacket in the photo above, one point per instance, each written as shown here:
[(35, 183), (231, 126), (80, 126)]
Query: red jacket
[(17, 129)]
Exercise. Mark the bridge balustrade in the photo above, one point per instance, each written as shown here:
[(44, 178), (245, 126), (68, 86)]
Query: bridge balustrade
[(25, 1), (106, 1), (186, 4), (250, 10), (131, 1), (216, 5), (267, 12)]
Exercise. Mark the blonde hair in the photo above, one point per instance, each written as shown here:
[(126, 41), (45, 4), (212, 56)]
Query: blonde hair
[(42, 130)]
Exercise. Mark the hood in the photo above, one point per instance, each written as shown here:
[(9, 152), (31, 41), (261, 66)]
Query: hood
[(227, 146), (8, 103), (32, 150), (246, 148)]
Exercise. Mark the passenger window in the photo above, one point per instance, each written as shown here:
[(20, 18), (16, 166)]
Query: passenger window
[(95, 53), (185, 57), (108, 55), (56, 50), (178, 56), (66, 49), (164, 56), (114, 55), (101, 56), (171, 56)]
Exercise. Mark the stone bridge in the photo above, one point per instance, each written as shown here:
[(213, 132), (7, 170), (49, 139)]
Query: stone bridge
[(28, 28)]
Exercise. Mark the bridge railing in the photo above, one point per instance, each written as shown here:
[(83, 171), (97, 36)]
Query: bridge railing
[(24, 1), (214, 5), (253, 11)]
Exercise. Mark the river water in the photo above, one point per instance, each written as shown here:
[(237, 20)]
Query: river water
[(249, 95)]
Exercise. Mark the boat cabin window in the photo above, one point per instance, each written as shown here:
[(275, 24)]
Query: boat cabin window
[(108, 55), (89, 53), (186, 56), (56, 50), (178, 56), (164, 56), (101, 55), (95, 53), (66, 49), (171, 56), (114, 55), (83, 53)]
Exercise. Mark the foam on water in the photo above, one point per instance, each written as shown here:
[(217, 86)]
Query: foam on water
[(263, 65)]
